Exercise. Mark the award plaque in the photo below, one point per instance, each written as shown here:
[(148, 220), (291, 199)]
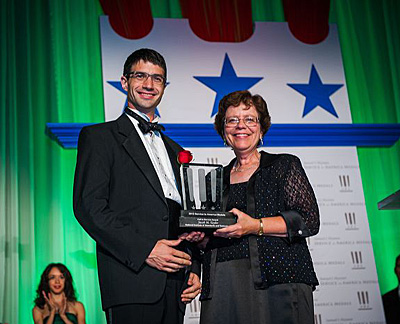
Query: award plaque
[(202, 198)]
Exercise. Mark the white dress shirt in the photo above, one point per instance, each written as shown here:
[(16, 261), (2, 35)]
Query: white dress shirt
[(158, 154)]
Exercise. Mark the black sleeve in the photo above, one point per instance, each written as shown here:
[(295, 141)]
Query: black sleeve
[(301, 210)]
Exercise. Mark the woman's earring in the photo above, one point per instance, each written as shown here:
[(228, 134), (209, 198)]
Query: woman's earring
[(261, 142), (225, 143)]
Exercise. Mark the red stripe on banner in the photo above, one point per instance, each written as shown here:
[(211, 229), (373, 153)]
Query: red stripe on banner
[(308, 19), (131, 19), (219, 20)]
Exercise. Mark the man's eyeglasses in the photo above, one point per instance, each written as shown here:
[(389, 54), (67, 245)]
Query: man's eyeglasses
[(143, 76), (249, 121)]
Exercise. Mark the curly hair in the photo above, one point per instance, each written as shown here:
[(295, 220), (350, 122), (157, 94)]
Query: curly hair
[(69, 290), (235, 99)]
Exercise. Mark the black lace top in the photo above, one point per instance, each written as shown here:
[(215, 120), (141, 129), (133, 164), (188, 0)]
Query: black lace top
[(278, 187)]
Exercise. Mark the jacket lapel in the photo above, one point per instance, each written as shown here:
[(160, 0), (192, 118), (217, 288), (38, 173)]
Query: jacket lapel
[(135, 148), (173, 149), (267, 159), (227, 183)]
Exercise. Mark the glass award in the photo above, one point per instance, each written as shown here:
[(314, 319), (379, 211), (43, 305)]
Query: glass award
[(202, 188)]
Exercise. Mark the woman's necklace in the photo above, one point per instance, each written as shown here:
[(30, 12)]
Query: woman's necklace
[(239, 168)]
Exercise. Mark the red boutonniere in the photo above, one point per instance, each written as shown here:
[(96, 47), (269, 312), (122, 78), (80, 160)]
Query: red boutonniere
[(185, 156)]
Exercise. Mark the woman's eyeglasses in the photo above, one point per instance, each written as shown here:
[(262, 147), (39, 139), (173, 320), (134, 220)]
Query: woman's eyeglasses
[(249, 121)]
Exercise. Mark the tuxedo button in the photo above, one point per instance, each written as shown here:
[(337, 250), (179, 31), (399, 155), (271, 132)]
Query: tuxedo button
[(165, 218)]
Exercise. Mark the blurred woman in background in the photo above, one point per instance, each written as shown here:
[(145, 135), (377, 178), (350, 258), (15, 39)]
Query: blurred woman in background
[(55, 301)]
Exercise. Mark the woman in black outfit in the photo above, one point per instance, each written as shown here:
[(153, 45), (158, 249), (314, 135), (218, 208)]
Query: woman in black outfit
[(260, 269)]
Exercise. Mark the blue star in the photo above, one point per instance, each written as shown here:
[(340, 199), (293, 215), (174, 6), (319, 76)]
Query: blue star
[(316, 93), (118, 85), (226, 83)]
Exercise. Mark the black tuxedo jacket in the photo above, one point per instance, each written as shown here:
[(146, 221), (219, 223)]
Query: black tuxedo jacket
[(119, 201), (391, 306)]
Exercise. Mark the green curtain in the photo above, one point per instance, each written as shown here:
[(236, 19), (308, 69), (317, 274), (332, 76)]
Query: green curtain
[(370, 41), (51, 72)]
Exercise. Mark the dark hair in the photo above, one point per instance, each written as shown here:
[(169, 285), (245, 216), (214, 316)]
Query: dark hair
[(145, 55), (235, 99), (397, 259), (69, 290)]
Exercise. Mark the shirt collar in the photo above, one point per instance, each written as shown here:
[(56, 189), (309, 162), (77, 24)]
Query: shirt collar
[(156, 118)]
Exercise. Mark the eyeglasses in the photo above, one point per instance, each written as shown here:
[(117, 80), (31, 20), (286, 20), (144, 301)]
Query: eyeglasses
[(143, 76), (249, 121)]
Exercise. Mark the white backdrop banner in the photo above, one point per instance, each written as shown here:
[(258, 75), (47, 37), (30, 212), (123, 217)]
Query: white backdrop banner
[(301, 84)]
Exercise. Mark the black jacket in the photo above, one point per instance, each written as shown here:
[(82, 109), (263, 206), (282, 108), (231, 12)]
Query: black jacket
[(391, 306), (278, 187), (119, 201)]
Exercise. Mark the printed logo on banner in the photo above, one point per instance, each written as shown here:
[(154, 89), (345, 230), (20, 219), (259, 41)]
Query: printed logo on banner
[(344, 181), (357, 261), (363, 300), (330, 223), (351, 221), (317, 319), (212, 160)]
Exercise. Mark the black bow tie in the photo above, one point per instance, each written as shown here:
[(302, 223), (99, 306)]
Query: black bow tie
[(144, 125)]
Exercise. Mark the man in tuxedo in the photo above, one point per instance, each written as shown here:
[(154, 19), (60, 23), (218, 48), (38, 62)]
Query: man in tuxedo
[(127, 197), (391, 300)]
